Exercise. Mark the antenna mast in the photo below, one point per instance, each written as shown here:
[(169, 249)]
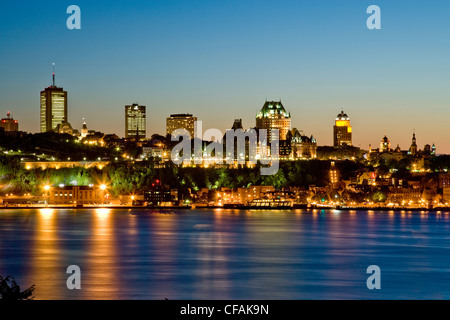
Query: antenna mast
[(54, 75)]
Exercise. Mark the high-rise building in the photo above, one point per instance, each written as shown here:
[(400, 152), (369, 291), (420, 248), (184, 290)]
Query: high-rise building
[(53, 107), (135, 122), (180, 121), (9, 124), (342, 131), (274, 116)]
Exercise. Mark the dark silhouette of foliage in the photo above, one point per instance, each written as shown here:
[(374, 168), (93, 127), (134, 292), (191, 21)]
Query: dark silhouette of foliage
[(10, 290)]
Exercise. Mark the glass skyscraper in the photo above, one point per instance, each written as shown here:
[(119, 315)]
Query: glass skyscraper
[(53, 107)]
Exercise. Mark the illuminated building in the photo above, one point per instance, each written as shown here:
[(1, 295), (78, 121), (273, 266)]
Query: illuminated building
[(385, 145), (274, 116), (53, 107), (333, 173), (158, 195), (180, 121), (9, 124), (84, 130), (135, 122), (413, 149), (342, 131), (444, 180), (155, 152), (64, 127), (301, 146), (77, 195), (237, 124)]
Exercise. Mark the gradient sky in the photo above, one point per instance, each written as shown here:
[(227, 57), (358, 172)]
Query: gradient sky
[(221, 60)]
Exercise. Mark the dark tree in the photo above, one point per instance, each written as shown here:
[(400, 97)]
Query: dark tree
[(10, 290)]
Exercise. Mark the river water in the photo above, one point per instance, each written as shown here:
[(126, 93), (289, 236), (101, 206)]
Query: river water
[(227, 254)]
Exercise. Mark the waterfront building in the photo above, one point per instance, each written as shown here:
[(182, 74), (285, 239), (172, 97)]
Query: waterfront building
[(181, 121), (53, 107), (402, 195), (77, 195), (135, 122), (273, 115), (342, 131), (158, 195), (9, 124)]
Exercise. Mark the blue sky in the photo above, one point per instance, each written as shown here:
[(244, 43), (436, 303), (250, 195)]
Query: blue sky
[(221, 60)]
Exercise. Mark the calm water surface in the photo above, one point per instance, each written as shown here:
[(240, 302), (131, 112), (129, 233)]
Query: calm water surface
[(227, 254)]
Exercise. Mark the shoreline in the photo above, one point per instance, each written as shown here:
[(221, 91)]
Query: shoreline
[(242, 208)]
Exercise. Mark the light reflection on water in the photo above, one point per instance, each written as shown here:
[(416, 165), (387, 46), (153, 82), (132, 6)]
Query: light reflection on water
[(227, 254)]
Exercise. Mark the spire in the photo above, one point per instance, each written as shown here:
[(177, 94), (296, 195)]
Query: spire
[(8, 115), (54, 75)]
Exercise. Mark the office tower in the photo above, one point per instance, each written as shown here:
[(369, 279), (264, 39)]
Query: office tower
[(135, 122), (180, 121), (342, 133), (53, 107), (9, 124), (274, 116)]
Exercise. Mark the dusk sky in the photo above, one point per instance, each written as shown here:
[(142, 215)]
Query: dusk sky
[(221, 60)]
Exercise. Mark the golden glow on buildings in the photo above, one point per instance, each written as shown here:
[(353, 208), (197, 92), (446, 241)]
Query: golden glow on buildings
[(342, 131), (53, 108), (273, 115), (180, 121)]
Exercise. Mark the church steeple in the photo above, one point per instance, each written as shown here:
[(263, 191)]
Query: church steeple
[(413, 148)]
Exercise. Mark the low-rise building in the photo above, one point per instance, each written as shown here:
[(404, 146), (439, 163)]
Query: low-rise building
[(77, 195)]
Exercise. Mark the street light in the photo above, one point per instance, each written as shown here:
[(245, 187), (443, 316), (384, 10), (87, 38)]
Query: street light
[(47, 191)]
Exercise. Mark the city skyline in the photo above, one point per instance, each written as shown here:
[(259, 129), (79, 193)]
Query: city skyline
[(143, 135), (222, 61)]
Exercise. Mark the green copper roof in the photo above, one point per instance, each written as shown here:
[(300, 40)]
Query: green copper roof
[(273, 108)]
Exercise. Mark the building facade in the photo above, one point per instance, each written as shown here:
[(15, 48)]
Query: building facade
[(342, 131), (53, 107), (84, 130), (301, 146), (413, 148), (9, 124), (76, 195), (135, 122), (273, 115), (158, 195), (180, 121)]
